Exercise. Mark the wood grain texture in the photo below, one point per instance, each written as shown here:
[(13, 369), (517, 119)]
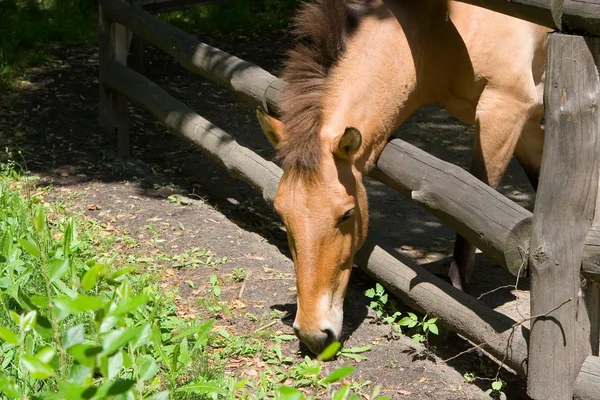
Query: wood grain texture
[(459, 311), (113, 113), (462, 202), (587, 385), (591, 254), (564, 209), (252, 84)]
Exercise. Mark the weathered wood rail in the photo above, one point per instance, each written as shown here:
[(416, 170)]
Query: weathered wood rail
[(559, 354)]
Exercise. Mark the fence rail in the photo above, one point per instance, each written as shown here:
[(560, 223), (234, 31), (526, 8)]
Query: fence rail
[(560, 248), (580, 16)]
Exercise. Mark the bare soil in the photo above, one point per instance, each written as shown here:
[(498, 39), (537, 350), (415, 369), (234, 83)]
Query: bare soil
[(52, 120)]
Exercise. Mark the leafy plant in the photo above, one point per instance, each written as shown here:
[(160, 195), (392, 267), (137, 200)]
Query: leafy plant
[(239, 274), (215, 288), (385, 309), (424, 327), (496, 390)]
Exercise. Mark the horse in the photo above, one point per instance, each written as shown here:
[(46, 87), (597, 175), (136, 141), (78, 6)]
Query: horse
[(357, 71)]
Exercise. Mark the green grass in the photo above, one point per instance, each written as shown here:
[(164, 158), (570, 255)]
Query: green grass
[(82, 316), (28, 27)]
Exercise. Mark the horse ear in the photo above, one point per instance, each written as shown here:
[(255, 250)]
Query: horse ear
[(272, 127), (349, 143)]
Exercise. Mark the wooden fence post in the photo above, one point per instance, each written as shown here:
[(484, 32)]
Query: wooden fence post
[(114, 115), (562, 303)]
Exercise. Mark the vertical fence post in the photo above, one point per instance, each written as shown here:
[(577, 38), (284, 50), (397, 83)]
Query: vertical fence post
[(561, 302), (136, 47), (114, 115)]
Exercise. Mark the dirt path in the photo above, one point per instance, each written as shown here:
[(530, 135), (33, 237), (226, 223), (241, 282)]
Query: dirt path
[(53, 121)]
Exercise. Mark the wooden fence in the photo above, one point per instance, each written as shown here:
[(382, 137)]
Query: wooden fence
[(560, 353)]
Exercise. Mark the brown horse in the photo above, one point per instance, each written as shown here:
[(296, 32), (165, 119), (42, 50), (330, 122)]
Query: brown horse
[(358, 70)]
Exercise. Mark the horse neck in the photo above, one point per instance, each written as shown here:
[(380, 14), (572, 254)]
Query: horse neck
[(377, 85)]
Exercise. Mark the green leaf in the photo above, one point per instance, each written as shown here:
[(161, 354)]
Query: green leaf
[(289, 393), (408, 322), (164, 395), (433, 329), (40, 301), (9, 387), (131, 304), (8, 336), (338, 375), (497, 385), (58, 269), (84, 353), (213, 279), (124, 271), (147, 367), (46, 354), (384, 298), (38, 221), (370, 293), (114, 340), (115, 363), (329, 352), (202, 330), (144, 337), (357, 349), (89, 279), (36, 368), (217, 290), (73, 336), (30, 247), (376, 391), (67, 306), (120, 386), (79, 373), (28, 321), (342, 394), (201, 388)]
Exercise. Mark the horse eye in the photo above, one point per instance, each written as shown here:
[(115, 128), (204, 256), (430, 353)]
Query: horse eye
[(347, 215)]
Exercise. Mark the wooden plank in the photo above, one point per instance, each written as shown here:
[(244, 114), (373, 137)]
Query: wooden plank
[(564, 209), (175, 5), (591, 253), (582, 16), (107, 101), (499, 335), (121, 111), (493, 223), (249, 82), (587, 385)]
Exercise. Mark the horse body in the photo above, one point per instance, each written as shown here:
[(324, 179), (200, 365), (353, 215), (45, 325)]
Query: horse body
[(485, 68)]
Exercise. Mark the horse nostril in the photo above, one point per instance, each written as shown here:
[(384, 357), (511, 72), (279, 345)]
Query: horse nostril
[(331, 336)]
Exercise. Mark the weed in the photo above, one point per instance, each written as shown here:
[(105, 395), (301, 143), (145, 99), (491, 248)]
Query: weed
[(386, 311), (496, 390), (215, 288), (239, 274), (424, 327)]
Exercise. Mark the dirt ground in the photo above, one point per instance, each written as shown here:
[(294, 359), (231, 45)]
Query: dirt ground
[(52, 119)]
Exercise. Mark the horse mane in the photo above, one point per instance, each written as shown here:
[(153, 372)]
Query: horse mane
[(320, 30)]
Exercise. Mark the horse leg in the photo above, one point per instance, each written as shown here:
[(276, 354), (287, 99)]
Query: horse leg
[(529, 150), (499, 122)]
